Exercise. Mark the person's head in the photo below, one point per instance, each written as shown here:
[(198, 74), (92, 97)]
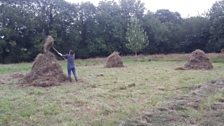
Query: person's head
[(71, 52)]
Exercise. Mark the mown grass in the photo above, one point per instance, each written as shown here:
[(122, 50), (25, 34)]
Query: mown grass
[(103, 97), (206, 113), (10, 68)]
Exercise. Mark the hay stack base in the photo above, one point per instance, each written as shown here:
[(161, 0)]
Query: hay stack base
[(198, 60), (45, 72), (114, 60)]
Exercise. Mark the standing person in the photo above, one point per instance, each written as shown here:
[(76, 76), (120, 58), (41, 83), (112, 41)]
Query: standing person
[(70, 64)]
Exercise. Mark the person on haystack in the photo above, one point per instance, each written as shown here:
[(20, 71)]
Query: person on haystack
[(70, 64)]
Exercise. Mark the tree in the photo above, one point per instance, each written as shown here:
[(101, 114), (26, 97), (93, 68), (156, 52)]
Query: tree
[(25, 23), (158, 33), (87, 25), (196, 34), (98, 30), (165, 15), (172, 23), (108, 29), (137, 38), (216, 18)]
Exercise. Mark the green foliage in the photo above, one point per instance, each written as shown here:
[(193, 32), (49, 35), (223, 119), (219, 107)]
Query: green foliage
[(216, 17), (99, 30), (196, 32), (137, 38)]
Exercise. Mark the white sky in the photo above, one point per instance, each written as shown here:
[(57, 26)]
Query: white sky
[(185, 7)]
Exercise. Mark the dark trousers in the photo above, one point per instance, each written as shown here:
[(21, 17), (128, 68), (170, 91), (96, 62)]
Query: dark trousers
[(73, 70)]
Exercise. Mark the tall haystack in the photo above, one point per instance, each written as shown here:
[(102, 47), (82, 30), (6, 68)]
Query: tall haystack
[(198, 60), (114, 60), (46, 71)]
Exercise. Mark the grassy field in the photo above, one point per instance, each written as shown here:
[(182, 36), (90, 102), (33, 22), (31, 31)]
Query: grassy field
[(104, 96)]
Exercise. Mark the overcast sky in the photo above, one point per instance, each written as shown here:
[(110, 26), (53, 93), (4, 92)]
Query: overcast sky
[(185, 7)]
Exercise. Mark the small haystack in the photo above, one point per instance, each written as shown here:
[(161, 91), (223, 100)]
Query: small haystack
[(198, 60), (46, 71), (114, 60)]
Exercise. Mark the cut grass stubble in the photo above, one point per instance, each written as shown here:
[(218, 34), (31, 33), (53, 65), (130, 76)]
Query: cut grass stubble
[(104, 97)]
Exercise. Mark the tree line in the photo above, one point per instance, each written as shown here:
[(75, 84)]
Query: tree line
[(92, 30)]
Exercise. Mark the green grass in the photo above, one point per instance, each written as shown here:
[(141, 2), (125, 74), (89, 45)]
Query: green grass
[(21, 67), (205, 108), (98, 100)]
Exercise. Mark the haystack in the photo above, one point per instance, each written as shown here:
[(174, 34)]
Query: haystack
[(114, 60), (198, 60), (46, 71)]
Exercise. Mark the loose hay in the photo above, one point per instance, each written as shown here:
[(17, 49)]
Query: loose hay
[(49, 42), (46, 71), (10, 78), (180, 68), (198, 60), (114, 60)]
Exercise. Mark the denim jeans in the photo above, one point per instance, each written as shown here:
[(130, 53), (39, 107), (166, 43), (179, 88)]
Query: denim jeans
[(73, 70)]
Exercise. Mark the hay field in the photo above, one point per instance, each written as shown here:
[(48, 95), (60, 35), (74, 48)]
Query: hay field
[(103, 96)]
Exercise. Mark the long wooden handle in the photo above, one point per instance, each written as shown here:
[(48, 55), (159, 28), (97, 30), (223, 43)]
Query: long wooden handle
[(58, 52)]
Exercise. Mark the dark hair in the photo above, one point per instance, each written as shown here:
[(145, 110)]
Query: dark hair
[(71, 52)]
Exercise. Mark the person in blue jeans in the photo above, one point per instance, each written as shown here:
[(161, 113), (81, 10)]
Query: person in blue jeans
[(71, 68)]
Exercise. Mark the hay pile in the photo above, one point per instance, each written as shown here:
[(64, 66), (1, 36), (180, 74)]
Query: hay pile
[(198, 60), (49, 42), (10, 78), (46, 71), (114, 60)]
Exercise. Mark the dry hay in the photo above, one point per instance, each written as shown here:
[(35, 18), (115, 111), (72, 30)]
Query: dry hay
[(46, 71), (10, 78), (114, 60), (198, 60), (180, 68), (49, 42)]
